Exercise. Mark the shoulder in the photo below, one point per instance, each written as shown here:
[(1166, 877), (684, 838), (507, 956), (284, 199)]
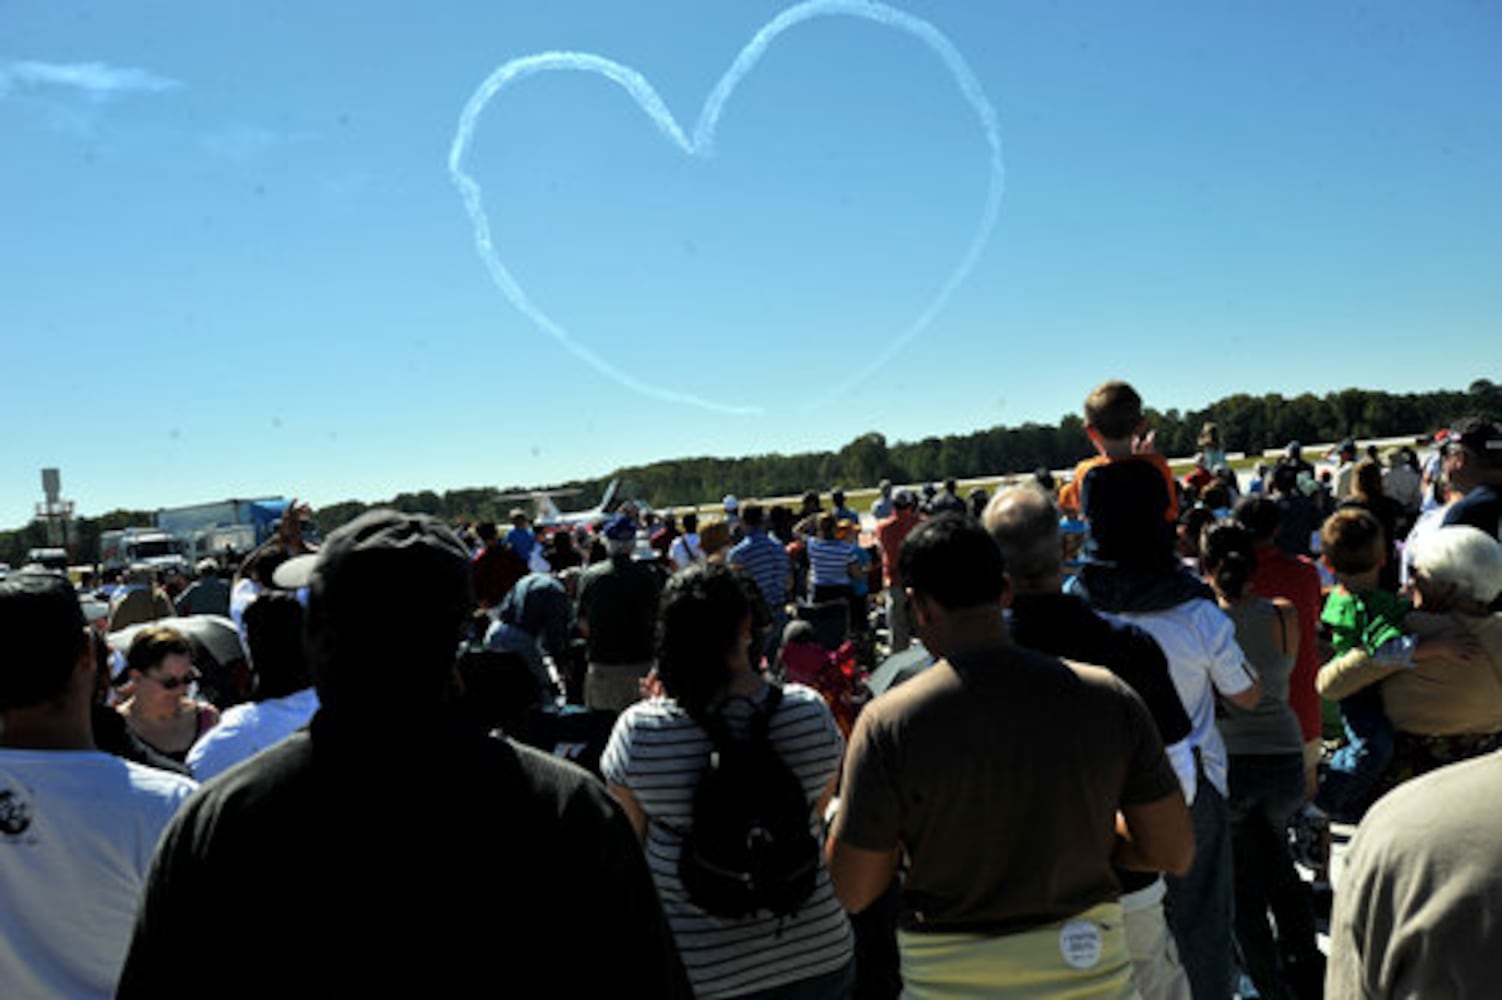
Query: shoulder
[(652, 720), (150, 782), (801, 703)]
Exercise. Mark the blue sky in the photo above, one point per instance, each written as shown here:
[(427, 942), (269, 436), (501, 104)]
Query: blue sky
[(233, 261)]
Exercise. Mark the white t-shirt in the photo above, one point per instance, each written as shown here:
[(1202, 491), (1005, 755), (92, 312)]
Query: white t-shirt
[(77, 831), (685, 551), (245, 730), (1199, 641)]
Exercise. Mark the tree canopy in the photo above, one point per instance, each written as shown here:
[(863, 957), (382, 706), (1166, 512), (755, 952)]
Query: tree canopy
[(1247, 423)]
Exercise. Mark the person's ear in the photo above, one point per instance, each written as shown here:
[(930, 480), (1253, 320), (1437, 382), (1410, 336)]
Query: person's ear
[(919, 604), (86, 660)]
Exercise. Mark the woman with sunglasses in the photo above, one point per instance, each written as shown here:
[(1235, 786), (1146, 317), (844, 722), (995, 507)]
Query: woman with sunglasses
[(160, 710)]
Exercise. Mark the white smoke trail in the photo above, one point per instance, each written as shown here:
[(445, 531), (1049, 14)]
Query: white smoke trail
[(702, 145)]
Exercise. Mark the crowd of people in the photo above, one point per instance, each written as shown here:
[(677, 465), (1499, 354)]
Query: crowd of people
[(668, 755)]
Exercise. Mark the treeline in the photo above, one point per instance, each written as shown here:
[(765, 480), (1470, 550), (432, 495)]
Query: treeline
[(1248, 423)]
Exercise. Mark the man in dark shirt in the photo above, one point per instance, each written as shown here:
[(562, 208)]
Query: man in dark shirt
[(1473, 466), (391, 849), (618, 615), (1025, 525)]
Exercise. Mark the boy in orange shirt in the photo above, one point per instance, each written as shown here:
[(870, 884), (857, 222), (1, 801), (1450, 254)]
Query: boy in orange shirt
[(1128, 497)]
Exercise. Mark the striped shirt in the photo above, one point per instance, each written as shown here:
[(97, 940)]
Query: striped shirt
[(657, 751), (829, 562), (766, 562)]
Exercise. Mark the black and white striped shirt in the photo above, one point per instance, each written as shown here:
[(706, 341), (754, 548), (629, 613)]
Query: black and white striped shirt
[(657, 751)]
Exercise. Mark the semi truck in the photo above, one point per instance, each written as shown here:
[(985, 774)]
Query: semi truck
[(143, 546), (222, 529)]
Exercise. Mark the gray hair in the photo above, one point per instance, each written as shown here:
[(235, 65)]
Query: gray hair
[(1466, 557), (1025, 524)]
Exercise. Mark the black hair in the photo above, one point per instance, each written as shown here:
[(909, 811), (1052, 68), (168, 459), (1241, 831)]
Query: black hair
[(43, 626), (954, 561), (753, 515), (1228, 553), (690, 522), (498, 690), (1285, 479), (1194, 521), (273, 637), (261, 564), (837, 497), (1259, 515), (699, 624)]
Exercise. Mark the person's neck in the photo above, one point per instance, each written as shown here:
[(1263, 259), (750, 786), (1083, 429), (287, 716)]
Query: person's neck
[(1041, 586), (966, 629), (155, 710), (1359, 583), (1115, 447), (47, 727)]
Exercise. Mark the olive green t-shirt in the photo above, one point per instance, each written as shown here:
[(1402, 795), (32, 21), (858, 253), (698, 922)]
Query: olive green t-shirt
[(1001, 773)]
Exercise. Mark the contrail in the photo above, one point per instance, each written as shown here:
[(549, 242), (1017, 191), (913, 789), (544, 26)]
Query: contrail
[(702, 145)]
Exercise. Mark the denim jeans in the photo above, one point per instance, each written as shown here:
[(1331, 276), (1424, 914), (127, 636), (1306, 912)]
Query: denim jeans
[(1266, 790), (1199, 903), (1355, 776)]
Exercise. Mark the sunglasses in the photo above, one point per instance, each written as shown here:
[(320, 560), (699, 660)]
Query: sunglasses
[(173, 683)]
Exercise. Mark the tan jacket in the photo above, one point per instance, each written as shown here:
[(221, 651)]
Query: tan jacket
[(1436, 698)]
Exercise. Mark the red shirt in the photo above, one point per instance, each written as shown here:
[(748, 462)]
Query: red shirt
[(1296, 578), (890, 531)]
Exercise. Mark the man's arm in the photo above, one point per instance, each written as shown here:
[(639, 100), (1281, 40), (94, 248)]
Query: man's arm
[(859, 876), (1155, 836), (868, 812), (631, 807)]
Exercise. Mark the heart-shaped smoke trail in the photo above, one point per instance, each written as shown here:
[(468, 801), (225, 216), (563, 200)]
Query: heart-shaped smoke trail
[(701, 145)]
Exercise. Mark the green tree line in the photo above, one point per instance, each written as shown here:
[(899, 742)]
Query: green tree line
[(1248, 423)]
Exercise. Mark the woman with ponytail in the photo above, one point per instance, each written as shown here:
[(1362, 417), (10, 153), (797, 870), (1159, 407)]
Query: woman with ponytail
[(1265, 747)]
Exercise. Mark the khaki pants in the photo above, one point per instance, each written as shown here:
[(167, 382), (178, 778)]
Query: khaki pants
[(1155, 957), (1084, 958), (614, 686)]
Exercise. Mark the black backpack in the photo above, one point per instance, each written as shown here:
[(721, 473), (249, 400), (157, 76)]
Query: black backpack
[(750, 847)]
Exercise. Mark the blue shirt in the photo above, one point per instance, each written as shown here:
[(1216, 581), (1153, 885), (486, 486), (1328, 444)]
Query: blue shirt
[(766, 562), (520, 541)]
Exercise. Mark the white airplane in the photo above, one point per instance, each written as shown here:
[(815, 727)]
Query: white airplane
[(548, 514)]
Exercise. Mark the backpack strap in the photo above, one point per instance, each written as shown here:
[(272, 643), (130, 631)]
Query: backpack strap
[(712, 720), (761, 719)]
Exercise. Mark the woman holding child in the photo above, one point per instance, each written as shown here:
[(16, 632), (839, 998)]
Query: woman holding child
[(1445, 699)]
